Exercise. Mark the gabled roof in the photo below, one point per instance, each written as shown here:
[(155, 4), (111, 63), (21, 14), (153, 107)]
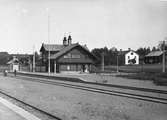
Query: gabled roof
[(130, 51), (14, 60), (154, 53), (52, 47), (67, 49), (126, 51), (63, 51)]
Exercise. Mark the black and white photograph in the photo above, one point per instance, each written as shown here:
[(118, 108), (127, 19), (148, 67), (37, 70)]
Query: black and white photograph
[(83, 59)]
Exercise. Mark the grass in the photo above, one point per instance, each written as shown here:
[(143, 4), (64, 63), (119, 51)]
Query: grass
[(137, 68), (151, 72), (157, 78)]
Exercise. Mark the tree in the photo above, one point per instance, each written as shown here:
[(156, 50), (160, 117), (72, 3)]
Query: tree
[(154, 49), (4, 58), (161, 45), (110, 55)]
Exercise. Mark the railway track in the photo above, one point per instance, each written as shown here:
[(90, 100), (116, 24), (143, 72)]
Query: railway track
[(93, 83), (29, 105), (97, 90)]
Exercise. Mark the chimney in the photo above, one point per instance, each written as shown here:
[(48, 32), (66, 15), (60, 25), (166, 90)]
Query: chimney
[(69, 40), (65, 41), (129, 49)]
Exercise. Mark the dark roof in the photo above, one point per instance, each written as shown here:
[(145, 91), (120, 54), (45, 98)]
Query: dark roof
[(67, 49), (125, 52), (14, 60), (131, 51), (63, 51), (52, 47), (154, 53), (21, 55)]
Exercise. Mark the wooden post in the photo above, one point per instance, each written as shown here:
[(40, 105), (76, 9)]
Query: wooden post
[(102, 64), (163, 58), (117, 64), (34, 59)]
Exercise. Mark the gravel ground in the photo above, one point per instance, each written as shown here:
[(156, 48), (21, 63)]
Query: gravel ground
[(27, 108), (72, 104)]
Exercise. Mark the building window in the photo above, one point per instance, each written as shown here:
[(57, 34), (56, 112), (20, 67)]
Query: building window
[(67, 55), (86, 57), (68, 67), (75, 56), (131, 53), (72, 56)]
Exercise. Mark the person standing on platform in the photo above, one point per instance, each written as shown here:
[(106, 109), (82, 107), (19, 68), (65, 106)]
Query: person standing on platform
[(15, 72)]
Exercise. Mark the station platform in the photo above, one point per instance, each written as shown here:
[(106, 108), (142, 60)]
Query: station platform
[(109, 78), (9, 111), (7, 114)]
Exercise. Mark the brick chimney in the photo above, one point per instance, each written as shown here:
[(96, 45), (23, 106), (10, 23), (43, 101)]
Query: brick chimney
[(65, 42), (69, 40)]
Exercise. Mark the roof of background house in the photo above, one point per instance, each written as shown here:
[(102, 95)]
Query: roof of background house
[(126, 51), (14, 60), (131, 51), (21, 55), (154, 53), (52, 47)]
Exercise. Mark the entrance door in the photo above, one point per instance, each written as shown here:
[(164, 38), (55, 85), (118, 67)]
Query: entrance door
[(15, 67), (83, 68), (57, 68)]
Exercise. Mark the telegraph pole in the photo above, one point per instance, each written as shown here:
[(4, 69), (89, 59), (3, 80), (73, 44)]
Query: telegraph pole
[(102, 64), (117, 64), (48, 41), (163, 57), (33, 58)]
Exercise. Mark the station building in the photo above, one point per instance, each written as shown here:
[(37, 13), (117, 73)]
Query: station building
[(67, 57), (13, 64)]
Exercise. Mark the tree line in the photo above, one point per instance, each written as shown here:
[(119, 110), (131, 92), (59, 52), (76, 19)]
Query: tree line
[(112, 55)]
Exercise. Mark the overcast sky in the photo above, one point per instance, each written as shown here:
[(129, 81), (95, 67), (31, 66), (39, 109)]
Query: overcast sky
[(97, 23)]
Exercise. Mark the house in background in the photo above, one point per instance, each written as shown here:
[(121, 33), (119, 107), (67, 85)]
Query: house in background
[(20, 62), (13, 64), (68, 57), (131, 58), (154, 57)]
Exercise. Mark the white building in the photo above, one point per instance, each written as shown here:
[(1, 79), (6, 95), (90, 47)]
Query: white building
[(14, 64), (131, 58)]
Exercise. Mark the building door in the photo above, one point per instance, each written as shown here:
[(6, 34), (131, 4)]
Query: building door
[(57, 68), (83, 68)]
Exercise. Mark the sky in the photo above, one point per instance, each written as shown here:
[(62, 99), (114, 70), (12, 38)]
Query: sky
[(24, 24)]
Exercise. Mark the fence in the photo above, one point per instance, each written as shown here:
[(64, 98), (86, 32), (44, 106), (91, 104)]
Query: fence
[(4, 67)]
